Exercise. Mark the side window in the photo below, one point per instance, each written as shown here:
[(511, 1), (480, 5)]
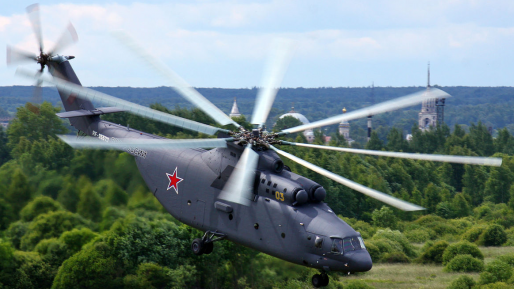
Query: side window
[(337, 246), (318, 242)]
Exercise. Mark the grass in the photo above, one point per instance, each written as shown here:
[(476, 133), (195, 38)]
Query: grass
[(407, 276), (417, 275)]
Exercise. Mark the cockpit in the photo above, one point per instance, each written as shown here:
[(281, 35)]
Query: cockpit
[(341, 246)]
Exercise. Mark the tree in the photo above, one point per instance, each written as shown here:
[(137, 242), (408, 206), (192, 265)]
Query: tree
[(90, 204), (498, 184), (374, 143), (19, 191), (460, 206), (69, 195), (396, 141), (384, 218), (432, 197), (38, 206), (286, 122), (5, 152)]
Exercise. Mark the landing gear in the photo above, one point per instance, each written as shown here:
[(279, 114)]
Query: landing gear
[(205, 245), (320, 280)]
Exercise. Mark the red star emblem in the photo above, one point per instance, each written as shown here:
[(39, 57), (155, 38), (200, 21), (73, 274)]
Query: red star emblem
[(174, 180)]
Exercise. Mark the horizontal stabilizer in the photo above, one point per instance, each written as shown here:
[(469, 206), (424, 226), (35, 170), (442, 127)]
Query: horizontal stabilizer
[(83, 112)]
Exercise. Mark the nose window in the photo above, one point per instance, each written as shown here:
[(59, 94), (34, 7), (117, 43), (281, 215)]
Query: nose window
[(352, 244)]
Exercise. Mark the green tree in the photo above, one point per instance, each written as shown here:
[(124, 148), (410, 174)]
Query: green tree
[(460, 206), (69, 195), (286, 122), (498, 185), (38, 206), (374, 143), (432, 197), (90, 204), (384, 218), (396, 141), (19, 191)]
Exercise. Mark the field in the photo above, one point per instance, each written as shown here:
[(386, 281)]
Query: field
[(417, 275)]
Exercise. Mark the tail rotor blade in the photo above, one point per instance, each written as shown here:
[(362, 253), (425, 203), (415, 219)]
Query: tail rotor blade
[(179, 84), (15, 55), (485, 161), (69, 36), (273, 74), (33, 13), (239, 187), (387, 106), (385, 198)]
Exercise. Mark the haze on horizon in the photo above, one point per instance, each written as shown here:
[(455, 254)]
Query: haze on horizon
[(224, 43)]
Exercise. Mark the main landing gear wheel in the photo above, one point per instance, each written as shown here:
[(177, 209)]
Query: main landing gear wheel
[(320, 280), (205, 245)]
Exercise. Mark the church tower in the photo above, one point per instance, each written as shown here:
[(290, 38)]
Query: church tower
[(235, 110), (428, 114), (344, 129)]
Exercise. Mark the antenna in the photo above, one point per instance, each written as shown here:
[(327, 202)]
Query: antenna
[(428, 80)]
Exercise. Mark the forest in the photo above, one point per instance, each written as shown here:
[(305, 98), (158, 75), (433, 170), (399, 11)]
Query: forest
[(85, 218)]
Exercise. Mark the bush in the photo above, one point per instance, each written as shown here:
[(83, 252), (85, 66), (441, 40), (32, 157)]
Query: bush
[(434, 253), (494, 235), (463, 282), (373, 251), (399, 238), (499, 271), (395, 257), (418, 235), (473, 233), (384, 218), (461, 248), (509, 258), (464, 263)]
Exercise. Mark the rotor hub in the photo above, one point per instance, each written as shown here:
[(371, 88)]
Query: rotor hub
[(259, 139)]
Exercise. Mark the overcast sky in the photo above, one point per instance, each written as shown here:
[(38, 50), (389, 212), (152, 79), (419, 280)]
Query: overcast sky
[(225, 43)]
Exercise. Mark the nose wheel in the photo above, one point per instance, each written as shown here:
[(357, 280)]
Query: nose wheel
[(205, 245), (320, 280)]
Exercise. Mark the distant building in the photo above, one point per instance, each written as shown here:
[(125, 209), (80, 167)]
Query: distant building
[(344, 130), (4, 121), (432, 110), (309, 134), (235, 110)]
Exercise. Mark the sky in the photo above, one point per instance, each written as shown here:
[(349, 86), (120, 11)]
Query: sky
[(225, 44)]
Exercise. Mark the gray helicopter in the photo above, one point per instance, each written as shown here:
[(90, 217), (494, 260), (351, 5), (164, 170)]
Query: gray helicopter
[(234, 187)]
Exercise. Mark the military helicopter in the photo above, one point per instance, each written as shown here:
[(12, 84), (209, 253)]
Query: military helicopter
[(234, 187)]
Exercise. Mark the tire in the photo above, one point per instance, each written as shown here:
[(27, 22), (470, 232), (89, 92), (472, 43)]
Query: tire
[(197, 246), (317, 280), (208, 247), (325, 280)]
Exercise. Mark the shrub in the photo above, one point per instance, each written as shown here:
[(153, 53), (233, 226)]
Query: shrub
[(497, 285), (464, 263), (494, 235), (461, 248), (473, 233), (384, 218), (418, 236), (463, 282), (434, 253), (373, 251), (499, 271), (395, 257), (509, 258), (397, 237)]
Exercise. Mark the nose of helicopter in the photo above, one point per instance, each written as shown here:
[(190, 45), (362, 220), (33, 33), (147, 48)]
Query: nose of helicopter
[(360, 261)]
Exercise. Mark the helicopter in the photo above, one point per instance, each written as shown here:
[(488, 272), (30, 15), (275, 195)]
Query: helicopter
[(234, 187)]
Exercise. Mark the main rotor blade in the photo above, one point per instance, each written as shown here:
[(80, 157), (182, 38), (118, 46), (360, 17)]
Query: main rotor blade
[(496, 162), (15, 55), (385, 198), (239, 187), (33, 13), (147, 144), (69, 36), (273, 74), (387, 106), (108, 100), (178, 84)]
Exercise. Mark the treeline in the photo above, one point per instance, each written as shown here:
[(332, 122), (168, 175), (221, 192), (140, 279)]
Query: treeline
[(85, 218), (493, 106)]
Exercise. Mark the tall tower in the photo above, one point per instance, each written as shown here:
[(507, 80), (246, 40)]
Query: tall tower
[(235, 110), (428, 114), (344, 128)]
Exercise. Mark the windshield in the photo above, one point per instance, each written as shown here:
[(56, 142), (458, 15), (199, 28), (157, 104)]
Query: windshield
[(341, 246)]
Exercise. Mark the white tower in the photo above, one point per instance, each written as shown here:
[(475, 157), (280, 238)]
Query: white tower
[(235, 110), (428, 114), (344, 129)]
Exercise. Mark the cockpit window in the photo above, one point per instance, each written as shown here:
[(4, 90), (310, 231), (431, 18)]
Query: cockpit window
[(337, 246), (352, 244)]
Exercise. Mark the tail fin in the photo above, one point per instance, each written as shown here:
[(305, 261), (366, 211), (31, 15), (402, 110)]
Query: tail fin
[(71, 102)]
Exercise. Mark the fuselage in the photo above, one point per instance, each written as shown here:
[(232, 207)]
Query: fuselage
[(187, 182)]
